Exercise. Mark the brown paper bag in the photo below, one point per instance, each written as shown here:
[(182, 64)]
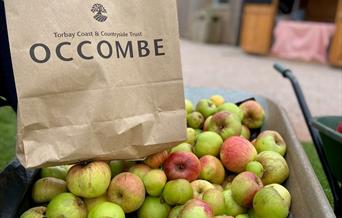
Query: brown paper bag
[(95, 79)]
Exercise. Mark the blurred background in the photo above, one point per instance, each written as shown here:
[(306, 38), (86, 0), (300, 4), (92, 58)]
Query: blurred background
[(232, 44)]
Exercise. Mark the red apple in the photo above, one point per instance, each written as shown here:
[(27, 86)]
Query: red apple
[(182, 165), (253, 114), (339, 127), (244, 187), (236, 152), (212, 169), (156, 160), (127, 190), (225, 124)]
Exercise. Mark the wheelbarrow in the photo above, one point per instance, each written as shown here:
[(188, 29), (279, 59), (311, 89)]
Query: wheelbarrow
[(327, 141)]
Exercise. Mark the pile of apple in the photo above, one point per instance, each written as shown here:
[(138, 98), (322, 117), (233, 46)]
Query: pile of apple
[(217, 172)]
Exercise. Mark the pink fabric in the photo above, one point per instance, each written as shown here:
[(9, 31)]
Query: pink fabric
[(307, 41)]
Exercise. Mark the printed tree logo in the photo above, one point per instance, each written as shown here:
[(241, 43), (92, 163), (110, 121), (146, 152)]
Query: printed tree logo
[(99, 9)]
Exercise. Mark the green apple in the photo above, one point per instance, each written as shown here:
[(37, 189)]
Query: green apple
[(127, 190), (231, 108), (174, 212), (215, 199), (212, 169), (182, 147), (199, 186), (89, 180), (190, 136), (195, 120), (177, 191), (140, 170), (231, 207), (59, 172), (256, 168), (154, 207), (46, 188), (92, 202), (275, 167), (225, 124), (245, 132), (188, 106), (253, 114), (242, 216), (106, 209), (283, 192), (198, 131), (208, 143), (270, 141), (217, 99), (35, 212), (206, 107), (268, 203), (154, 182), (223, 216), (66, 205), (116, 167)]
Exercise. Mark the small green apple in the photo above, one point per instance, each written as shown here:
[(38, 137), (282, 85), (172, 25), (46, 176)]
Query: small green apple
[(190, 136), (106, 209), (92, 202), (256, 168), (59, 172), (66, 205), (116, 167), (89, 180), (206, 107), (174, 212), (154, 182), (253, 114), (275, 167), (177, 191), (140, 170), (270, 141), (195, 120), (284, 193), (188, 106), (231, 108), (154, 207), (199, 186), (245, 132), (208, 143), (225, 124), (182, 147), (215, 199), (231, 207), (268, 203), (35, 212), (46, 188)]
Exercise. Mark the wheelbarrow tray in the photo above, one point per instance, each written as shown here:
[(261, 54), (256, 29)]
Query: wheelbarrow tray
[(332, 142), (308, 198)]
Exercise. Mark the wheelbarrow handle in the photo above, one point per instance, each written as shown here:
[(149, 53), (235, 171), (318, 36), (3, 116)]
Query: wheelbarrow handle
[(281, 69)]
